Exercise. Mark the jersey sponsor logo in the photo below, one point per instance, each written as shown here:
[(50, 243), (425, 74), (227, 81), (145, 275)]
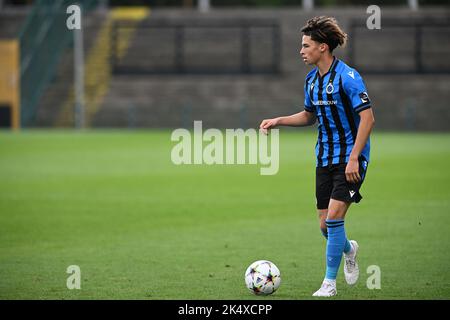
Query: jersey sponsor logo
[(351, 74), (325, 102), (364, 97), (329, 88)]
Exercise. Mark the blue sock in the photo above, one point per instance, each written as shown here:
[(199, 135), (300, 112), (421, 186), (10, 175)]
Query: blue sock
[(335, 246), (347, 247)]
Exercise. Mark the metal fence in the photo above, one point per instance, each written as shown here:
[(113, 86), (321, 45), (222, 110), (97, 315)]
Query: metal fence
[(43, 38), (401, 46), (198, 47)]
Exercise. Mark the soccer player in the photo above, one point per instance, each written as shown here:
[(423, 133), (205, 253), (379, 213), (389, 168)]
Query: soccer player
[(336, 96)]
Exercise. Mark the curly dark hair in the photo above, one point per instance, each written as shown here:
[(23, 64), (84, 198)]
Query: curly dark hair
[(325, 30)]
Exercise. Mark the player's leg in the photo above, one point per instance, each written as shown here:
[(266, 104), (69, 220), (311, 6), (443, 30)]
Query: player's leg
[(335, 246), (322, 214), (337, 242), (343, 194), (346, 192), (338, 210), (337, 213), (324, 187)]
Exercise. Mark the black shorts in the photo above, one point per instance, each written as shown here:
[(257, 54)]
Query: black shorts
[(331, 183)]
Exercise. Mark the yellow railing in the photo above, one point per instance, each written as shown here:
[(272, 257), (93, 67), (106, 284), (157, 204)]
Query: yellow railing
[(9, 80)]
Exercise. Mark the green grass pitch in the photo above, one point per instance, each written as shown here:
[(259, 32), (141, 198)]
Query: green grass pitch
[(141, 227)]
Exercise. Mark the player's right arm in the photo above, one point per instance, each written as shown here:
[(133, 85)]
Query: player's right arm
[(301, 119)]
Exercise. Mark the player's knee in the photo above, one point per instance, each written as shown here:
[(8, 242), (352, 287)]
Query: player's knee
[(336, 215)]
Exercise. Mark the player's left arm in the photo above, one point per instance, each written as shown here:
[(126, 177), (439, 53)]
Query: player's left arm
[(366, 124)]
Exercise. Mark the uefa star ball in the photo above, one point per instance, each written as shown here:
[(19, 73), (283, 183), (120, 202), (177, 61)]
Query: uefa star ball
[(262, 277)]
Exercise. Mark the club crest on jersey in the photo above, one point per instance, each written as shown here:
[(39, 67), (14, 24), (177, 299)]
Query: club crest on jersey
[(329, 89)]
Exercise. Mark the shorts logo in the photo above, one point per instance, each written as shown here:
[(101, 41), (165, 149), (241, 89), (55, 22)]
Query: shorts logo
[(364, 97), (352, 193), (330, 88), (351, 74)]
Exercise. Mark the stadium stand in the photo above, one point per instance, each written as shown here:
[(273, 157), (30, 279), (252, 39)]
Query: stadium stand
[(407, 100)]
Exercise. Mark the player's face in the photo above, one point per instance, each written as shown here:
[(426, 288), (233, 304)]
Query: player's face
[(311, 51)]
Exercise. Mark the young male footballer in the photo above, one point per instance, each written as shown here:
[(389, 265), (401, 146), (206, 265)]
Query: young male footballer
[(336, 96)]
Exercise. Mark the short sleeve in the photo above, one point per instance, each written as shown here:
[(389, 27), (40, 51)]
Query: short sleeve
[(308, 104), (356, 90)]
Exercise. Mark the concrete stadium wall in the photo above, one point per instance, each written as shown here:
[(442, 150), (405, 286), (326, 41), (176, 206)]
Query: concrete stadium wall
[(11, 20), (400, 102)]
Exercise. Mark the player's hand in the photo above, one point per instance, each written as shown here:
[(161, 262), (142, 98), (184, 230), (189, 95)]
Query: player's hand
[(267, 124), (352, 171)]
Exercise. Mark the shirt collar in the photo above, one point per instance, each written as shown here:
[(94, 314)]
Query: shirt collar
[(333, 64)]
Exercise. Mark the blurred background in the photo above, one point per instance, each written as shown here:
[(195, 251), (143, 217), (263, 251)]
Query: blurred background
[(166, 63), (140, 227)]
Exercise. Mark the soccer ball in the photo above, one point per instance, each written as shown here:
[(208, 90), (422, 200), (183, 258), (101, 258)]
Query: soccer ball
[(262, 277)]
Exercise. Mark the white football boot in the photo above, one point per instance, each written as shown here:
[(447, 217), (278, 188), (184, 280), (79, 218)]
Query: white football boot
[(351, 269), (328, 289)]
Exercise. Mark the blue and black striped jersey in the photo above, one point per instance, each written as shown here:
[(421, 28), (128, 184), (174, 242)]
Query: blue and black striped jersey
[(336, 98)]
